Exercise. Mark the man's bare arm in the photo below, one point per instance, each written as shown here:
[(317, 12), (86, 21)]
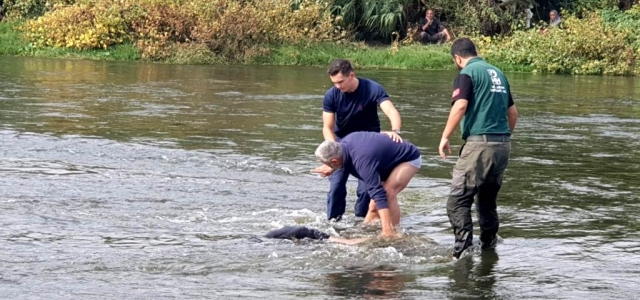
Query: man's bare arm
[(347, 241), (455, 116), (385, 221), (446, 33), (392, 113), (328, 122), (512, 116)]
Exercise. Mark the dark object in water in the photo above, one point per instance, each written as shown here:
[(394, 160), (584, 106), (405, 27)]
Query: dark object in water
[(255, 239), (296, 232)]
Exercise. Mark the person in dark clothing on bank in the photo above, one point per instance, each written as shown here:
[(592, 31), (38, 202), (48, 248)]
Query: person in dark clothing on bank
[(431, 29), (385, 166)]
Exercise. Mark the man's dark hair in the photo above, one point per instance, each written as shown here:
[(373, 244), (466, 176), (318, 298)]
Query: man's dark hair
[(464, 48), (339, 66)]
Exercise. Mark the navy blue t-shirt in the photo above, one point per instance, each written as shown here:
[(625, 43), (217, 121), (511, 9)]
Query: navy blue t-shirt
[(371, 156), (356, 111)]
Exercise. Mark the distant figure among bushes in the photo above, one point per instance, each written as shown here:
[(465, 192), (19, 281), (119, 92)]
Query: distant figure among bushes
[(554, 21), (431, 29)]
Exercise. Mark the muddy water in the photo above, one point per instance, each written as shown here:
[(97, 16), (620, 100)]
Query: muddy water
[(140, 181)]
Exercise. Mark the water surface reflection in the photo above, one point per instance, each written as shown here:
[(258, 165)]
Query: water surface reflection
[(133, 180)]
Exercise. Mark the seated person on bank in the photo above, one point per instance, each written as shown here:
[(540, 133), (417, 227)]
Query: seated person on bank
[(554, 21), (431, 30), (385, 166)]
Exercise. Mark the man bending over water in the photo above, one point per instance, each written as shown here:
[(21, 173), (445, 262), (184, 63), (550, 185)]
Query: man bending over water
[(385, 166)]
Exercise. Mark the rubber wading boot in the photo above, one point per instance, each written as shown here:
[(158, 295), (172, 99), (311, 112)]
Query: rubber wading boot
[(463, 241), (488, 239)]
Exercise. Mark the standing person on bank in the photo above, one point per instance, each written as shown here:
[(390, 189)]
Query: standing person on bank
[(482, 104), (352, 105)]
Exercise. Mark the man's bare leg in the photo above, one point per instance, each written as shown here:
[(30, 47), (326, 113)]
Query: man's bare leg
[(398, 181)]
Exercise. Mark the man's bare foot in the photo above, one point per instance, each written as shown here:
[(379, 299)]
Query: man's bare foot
[(390, 234), (371, 217)]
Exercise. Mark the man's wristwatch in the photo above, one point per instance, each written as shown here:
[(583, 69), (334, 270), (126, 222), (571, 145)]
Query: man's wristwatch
[(397, 131)]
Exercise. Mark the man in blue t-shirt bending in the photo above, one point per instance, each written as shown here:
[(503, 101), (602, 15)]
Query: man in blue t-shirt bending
[(351, 105), (385, 167)]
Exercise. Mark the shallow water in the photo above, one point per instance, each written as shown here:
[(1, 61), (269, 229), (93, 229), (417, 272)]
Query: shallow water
[(126, 180)]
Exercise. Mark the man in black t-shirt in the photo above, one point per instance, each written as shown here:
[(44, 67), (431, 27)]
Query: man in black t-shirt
[(431, 30)]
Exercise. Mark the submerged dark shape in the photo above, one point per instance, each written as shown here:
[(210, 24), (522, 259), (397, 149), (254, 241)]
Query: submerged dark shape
[(296, 232)]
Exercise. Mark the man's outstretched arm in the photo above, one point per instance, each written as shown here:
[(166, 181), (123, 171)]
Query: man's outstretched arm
[(394, 118), (328, 122)]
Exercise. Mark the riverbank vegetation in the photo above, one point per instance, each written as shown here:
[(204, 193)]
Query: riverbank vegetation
[(596, 36)]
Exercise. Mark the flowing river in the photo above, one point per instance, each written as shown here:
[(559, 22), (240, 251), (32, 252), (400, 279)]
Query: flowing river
[(127, 180)]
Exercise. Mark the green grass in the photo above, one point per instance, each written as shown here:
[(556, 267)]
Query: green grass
[(419, 57), (10, 41), (12, 44), (118, 52), (362, 56)]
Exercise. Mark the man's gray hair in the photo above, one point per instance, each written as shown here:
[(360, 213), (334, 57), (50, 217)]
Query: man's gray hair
[(328, 150)]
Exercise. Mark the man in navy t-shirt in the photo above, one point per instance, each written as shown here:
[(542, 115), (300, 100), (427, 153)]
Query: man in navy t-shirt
[(385, 167), (351, 105)]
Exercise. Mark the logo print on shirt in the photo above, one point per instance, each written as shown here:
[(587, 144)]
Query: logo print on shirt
[(456, 93), (359, 106), (497, 86)]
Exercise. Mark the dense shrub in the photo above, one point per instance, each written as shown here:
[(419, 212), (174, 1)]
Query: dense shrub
[(81, 26), (580, 7), (373, 18), (158, 25), (584, 46), (625, 21), (21, 9), (242, 30), (232, 29), (481, 17)]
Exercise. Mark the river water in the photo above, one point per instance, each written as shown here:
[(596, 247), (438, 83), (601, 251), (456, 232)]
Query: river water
[(125, 180)]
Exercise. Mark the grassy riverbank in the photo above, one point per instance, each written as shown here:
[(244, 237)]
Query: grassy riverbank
[(602, 40), (415, 56), (420, 57), (13, 44)]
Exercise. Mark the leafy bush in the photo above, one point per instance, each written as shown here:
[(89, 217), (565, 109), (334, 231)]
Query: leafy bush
[(232, 29), (21, 9), (625, 21), (243, 30), (580, 7), (480, 17), (160, 24), (372, 17), (584, 46), (81, 26)]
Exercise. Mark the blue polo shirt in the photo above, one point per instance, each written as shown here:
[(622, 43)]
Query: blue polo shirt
[(371, 156), (356, 111)]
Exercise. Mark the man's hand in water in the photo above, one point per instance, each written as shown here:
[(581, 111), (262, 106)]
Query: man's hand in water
[(323, 170)]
